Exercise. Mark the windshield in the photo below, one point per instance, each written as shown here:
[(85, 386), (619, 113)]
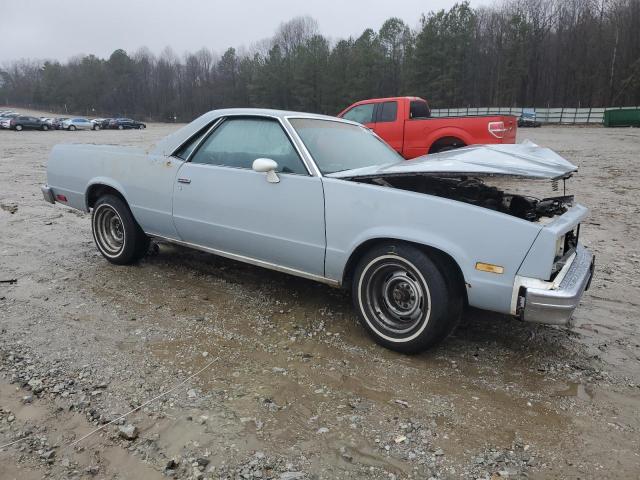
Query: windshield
[(337, 146)]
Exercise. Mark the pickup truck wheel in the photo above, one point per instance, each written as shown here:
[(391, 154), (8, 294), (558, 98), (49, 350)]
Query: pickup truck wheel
[(404, 300), (118, 236)]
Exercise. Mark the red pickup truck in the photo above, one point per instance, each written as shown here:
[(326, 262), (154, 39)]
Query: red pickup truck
[(406, 124)]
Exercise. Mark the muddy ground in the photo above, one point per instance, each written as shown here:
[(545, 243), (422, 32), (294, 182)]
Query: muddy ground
[(294, 388)]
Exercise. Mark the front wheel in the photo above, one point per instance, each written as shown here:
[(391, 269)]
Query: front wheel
[(120, 127), (118, 236), (45, 127), (405, 300), (18, 128), (72, 127)]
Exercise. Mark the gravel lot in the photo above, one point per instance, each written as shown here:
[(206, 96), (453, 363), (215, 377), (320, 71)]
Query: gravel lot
[(294, 388)]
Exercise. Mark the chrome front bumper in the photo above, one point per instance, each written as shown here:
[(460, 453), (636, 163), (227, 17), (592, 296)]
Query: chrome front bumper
[(554, 303), (47, 193)]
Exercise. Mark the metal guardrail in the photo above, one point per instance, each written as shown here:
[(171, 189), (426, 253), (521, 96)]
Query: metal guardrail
[(567, 116)]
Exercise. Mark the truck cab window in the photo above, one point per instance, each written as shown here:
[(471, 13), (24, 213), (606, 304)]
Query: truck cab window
[(387, 112), (361, 113), (419, 109)]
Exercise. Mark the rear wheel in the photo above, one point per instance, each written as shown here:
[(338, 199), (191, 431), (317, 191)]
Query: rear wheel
[(45, 127), (405, 300), (72, 127), (446, 144), (118, 236)]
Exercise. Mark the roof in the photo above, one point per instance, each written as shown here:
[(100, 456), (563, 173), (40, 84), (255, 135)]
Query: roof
[(170, 143)]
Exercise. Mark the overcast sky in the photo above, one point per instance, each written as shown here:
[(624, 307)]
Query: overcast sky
[(58, 29)]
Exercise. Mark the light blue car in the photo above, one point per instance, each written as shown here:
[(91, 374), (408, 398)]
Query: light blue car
[(79, 123), (326, 199)]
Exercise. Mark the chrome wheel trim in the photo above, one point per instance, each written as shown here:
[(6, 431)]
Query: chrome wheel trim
[(108, 230), (395, 314)]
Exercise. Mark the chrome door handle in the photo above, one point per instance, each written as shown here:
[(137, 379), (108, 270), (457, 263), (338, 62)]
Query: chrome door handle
[(184, 180)]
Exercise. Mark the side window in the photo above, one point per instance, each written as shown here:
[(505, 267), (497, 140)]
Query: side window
[(387, 112), (185, 150), (238, 142), (361, 113)]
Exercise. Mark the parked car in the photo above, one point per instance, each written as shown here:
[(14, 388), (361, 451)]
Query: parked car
[(48, 121), (325, 199), (57, 122), (79, 124), (405, 123), (123, 123), (528, 119), (25, 122), (5, 119)]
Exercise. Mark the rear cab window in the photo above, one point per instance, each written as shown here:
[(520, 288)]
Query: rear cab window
[(419, 109)]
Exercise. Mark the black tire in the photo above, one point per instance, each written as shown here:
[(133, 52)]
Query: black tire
[(45, 128), (446, 149), (118, 236), (72, 128), (120, 127), (406, 300), (18, 128)]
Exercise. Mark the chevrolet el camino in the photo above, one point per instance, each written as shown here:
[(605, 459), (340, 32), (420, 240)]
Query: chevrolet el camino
[(326, 199)]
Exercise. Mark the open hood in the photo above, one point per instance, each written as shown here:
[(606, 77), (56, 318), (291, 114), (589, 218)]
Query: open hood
[(525, 160)]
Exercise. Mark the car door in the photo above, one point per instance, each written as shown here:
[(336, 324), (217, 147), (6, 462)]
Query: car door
[(221, 203), (387, 125)]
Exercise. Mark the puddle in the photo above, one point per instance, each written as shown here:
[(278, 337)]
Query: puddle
[(577, 390)]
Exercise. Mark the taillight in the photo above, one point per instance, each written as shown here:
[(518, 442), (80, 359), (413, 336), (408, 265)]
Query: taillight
[(497, 129), (61, 198)]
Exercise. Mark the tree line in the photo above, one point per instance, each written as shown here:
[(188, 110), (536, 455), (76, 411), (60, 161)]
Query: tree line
[(520, 53)]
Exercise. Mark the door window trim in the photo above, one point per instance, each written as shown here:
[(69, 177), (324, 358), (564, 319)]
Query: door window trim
[(220, 120)]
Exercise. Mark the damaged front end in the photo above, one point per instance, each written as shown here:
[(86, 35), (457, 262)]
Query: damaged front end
[(511, 179), (480, 192)]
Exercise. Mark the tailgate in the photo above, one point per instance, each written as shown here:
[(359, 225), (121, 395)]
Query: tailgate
[(511, 124)]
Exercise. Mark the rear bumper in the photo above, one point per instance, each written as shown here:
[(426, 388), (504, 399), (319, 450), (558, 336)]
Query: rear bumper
[(47, 193), (553, 303)]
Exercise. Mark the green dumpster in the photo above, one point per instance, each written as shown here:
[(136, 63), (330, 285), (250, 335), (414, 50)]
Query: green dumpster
[(628, 117)]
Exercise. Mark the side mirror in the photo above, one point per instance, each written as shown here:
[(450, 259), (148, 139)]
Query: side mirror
[(268, 166)]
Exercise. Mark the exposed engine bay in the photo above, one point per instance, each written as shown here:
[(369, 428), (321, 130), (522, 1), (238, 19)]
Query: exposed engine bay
[(475, 191)]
